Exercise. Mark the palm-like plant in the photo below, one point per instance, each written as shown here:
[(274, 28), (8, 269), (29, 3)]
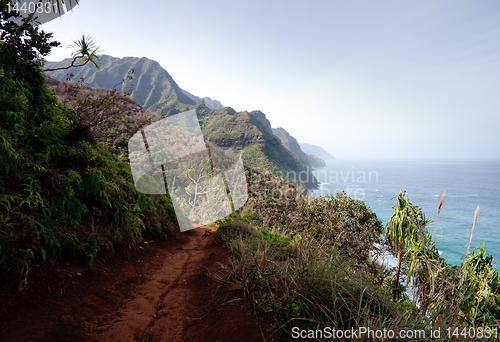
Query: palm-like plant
[(85, 51), (425, 267), (479, 288), (405, 225)]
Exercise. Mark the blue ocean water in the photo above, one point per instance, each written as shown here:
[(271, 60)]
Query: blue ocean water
[(468, 184)]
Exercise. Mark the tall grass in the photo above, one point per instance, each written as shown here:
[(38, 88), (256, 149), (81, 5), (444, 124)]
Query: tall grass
[(473, 225), (303, 283)]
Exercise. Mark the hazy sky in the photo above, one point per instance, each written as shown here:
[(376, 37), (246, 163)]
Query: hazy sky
[(363, 79)]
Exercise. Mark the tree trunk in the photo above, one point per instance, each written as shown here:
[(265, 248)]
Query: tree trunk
[(396, 276)]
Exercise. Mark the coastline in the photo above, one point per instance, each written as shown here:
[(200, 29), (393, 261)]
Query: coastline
[(468, 183)]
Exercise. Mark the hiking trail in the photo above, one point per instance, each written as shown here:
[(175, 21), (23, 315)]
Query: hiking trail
[(162, 292)]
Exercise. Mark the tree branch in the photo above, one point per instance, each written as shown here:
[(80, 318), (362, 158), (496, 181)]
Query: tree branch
[(69, 66)]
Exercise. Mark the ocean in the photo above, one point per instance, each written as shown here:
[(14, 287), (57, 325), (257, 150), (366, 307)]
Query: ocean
[(468, 184)]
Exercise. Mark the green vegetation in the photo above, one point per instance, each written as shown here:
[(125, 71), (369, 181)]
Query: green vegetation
[(306, 262), (403, 230), (112, 117), (295, 282), (301, 261), (63, 195)]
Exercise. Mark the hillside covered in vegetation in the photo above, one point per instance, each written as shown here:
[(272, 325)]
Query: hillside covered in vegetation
[(303, 262), (63, 194), (152, 87)]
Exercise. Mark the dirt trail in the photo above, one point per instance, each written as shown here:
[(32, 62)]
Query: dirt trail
[(161, 293)]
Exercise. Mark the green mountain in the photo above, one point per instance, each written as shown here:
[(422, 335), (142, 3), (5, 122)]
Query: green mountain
[(247, 133), (244, 132), (262, 118), (316, 150), (315, 161), (291, 143), (153, 87)]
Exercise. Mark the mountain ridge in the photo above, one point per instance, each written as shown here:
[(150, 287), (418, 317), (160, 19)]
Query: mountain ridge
[(153, 87), (291, 143), (212, 104), (155, 90), (315, 150)]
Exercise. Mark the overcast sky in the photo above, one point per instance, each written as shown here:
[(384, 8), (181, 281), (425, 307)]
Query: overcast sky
[(363, 79)]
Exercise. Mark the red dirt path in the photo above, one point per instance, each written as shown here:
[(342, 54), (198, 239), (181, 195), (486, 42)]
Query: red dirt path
[(161, 292)]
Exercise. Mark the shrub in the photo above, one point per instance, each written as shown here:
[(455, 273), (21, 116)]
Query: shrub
[(344, 223), (231, 229), (112, 118)]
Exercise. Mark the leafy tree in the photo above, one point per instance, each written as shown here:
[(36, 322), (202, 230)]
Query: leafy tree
[(23, 48)]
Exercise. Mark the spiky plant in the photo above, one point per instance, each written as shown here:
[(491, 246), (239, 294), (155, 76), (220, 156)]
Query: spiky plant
[(404, 226)]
